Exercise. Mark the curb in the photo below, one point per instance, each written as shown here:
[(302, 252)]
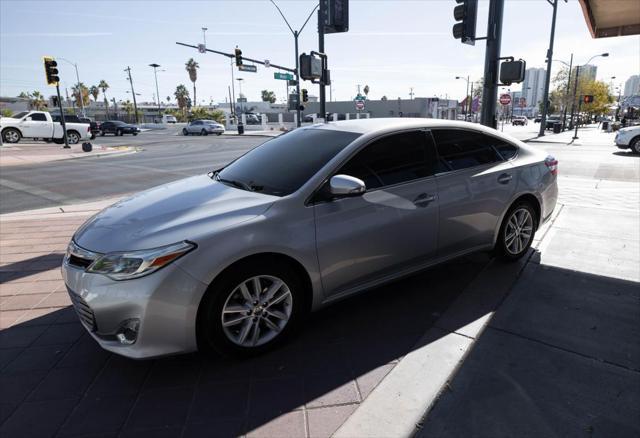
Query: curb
[(128, 151), (83, 209), (399, 404)]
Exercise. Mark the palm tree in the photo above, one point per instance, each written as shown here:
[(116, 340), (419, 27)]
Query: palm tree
[(94, 91), (181, 94), (80, 93), (37, 100), (104, 86), (192, 67)]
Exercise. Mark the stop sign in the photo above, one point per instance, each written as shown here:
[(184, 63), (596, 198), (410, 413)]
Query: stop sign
[(360, 105), (505, 99)]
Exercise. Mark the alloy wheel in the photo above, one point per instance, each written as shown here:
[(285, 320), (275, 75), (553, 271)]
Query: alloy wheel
[(256, 311), (11, 136), (519, 231)]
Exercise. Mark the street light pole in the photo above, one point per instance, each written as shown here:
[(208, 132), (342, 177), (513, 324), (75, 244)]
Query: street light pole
[(575, 93), (240, 95), (78, 79), (133, 93), (204, 36), (545, 95), (566, 97), (155, 73)]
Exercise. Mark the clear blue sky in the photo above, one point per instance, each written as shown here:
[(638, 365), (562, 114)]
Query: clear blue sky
[(391, 45)]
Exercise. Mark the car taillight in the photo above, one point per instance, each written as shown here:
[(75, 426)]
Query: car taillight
[(552, 164)]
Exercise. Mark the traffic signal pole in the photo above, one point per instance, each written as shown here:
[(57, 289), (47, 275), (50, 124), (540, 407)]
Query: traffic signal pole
[(491, 60), (62, 122), (323, 96), (295, 37), (545, 95)]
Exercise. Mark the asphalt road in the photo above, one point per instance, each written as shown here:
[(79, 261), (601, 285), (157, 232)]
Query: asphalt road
[(165, 157)]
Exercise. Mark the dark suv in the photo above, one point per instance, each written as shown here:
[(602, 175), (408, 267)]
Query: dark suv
[(94, 127), (117, 127)]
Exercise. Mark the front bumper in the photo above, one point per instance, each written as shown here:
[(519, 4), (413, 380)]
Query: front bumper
[(165, 303)]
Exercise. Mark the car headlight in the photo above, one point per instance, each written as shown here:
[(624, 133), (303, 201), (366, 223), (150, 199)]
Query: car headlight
[(135, 264)]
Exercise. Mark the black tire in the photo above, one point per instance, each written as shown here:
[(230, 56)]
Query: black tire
[(11, 135), (119, 133), (204, 132), (211, 335), (135, 133), (184, 131), (502, 249), (635, 145), (101, 133), (93, 136), (219, 133), (73, 137)]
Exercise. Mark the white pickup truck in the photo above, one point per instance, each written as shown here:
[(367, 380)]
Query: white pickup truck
[(39, 124)]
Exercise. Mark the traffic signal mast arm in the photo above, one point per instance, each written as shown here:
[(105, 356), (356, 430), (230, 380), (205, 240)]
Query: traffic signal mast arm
[(233, 56)]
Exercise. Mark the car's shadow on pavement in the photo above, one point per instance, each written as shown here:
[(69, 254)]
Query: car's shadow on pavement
[(626, 154), (53, 371)]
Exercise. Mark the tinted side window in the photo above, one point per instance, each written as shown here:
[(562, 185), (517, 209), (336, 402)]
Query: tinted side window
[(391, 160), (506, 150), (38, 117), (459, 149)]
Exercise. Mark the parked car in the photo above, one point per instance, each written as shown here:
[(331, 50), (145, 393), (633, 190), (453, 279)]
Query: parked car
[(537, 119), (203, 127), (94, 127), (519, 120), (166, 119), (235, 259), (117, 127), (629, 138), (551, 121), (39, 124)]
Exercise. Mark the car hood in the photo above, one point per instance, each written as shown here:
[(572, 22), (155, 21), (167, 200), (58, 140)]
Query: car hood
[(182, 210)]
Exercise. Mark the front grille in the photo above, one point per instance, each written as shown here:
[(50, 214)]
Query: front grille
[(74, 260), (83, 310)]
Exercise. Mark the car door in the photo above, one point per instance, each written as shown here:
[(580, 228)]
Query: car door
[(107, 127), (392, 226), (194, 127), (36, 126), (475, 184)]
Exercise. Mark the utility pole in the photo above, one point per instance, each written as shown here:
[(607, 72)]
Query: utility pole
[(135, 105), (545, 95), (491, 60), (411, 93)]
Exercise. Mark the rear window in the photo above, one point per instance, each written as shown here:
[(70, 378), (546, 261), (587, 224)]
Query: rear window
[(282, 165)]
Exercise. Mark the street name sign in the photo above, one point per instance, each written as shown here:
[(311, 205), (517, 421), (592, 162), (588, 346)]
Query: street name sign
[(248, 68), (283, 76)]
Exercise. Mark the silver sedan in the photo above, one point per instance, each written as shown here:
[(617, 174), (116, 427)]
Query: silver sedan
[(203, 127), (235, 259)]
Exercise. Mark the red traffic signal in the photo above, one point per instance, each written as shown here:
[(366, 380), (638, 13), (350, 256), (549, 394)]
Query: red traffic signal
[(587, 99)]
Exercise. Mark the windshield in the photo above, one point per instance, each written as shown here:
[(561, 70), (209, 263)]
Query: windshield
[(20, 115), (282, 165)]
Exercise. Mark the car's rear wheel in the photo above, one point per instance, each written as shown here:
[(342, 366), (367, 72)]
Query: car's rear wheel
[(101, 133), (184, 131), (135, 133), (119, 133), (635, 145), (204, 132), (517, 231), (251, 309), (73, 137)]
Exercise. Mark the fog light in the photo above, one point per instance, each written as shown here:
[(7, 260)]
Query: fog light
[(128, 331)]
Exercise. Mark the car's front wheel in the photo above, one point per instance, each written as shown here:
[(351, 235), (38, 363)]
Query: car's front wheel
[(184, 131), (517, 231), (11, 135), (251, 309), (204, 132)]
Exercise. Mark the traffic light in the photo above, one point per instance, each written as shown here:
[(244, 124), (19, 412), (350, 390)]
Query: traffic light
[(466, 13), (54, 100), (335, 15), (587, 98), (305, 95), (310, 67), (51, 71), (238, 57)]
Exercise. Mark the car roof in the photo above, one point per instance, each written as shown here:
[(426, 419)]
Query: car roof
[(381, 125)]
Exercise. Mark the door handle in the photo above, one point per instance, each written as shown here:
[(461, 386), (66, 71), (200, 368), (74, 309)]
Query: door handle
[(424, 199), (505, 178)]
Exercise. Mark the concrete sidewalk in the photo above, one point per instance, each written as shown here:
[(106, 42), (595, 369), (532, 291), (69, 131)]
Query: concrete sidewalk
[(35, 153)]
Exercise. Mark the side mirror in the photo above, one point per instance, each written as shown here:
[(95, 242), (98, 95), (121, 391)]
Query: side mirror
[(345, 185)]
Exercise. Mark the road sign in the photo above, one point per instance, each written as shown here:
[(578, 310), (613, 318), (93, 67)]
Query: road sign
[(202, 48), (360, 97), (248, 68), (359, 105), (283, 76), (293, 82), (505, 99), (523, 102)]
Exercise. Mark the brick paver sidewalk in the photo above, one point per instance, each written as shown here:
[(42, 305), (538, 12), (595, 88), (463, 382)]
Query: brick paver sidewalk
[(56, 381)]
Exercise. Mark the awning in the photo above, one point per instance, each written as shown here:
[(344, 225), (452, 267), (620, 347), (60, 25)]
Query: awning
[(611, 18)]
